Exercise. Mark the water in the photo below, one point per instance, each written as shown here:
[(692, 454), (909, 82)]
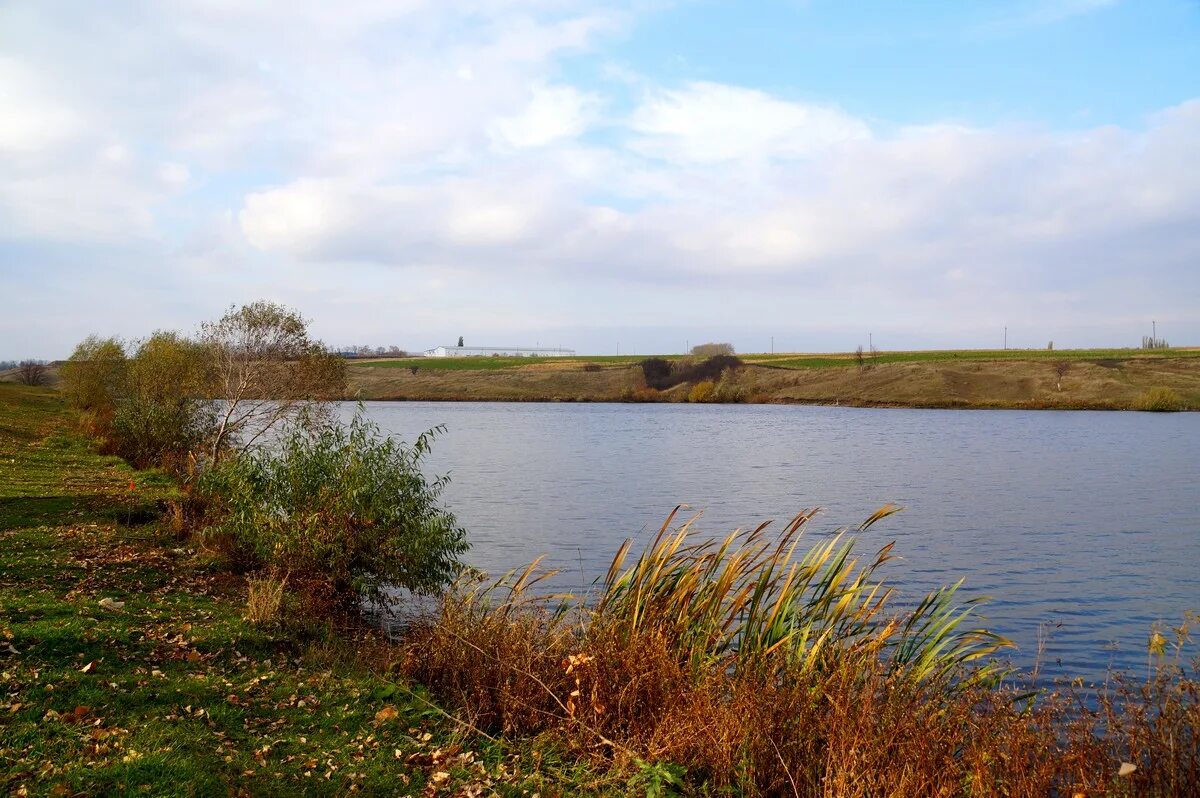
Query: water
[(1087, 522)]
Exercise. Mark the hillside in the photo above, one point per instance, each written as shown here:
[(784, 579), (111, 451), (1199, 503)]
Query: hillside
[(1100, 379)]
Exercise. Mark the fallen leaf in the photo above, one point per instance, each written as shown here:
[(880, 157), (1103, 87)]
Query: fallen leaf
[(112, 604), (90, 666), (386, 714), (1127, 769)]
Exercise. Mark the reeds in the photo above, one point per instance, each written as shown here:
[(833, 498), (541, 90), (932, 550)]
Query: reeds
[(766, 667)]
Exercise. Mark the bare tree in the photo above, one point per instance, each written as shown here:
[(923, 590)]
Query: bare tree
[(858, 358), (32, 372), (265, 370), (1061, 368), (711, 349)]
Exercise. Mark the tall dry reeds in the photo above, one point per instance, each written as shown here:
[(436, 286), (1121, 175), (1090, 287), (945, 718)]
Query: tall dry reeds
[(767, 668)]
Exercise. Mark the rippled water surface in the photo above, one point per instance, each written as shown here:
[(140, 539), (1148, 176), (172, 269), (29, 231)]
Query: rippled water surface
[(1086, 521)]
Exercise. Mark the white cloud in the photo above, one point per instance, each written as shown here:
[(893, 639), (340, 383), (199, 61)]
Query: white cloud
[(709, 122), (553, 113), (32, 118)]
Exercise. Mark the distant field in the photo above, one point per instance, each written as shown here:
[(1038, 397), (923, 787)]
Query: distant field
[(781, 360), (828, 360), (490, 363)]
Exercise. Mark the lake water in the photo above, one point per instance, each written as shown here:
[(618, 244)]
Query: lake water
[(1088, 522)]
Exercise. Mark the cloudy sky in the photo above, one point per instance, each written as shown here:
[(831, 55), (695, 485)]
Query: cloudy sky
[(635, 174)]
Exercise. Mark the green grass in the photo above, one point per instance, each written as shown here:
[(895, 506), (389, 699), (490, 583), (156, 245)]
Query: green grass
[(174, 693)]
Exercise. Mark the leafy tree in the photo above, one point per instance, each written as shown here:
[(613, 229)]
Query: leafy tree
[(164, 414), (460, 340), (265, 368), (95, 376)]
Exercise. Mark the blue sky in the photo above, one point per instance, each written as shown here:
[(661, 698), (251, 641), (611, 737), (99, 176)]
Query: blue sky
[(639, 173)]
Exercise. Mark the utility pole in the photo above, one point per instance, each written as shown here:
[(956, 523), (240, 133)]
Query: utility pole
[(1006, 337), (772, 344), (871, 342), (1154, 333)]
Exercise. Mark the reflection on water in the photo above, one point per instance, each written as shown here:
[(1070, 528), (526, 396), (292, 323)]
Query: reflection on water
[(1085, 521)]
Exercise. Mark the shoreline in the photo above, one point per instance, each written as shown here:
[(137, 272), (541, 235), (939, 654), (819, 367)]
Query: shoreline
[(856, 404), (1132, 382)]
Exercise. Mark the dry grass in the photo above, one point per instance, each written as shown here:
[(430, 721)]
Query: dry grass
[(1103, 383), (1160, 400), (264, 599), (766, 669)]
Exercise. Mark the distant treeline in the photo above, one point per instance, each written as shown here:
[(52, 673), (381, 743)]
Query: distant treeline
[(364, 350)]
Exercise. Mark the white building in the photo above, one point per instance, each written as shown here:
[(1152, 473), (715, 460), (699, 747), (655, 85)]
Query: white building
[(498, 351)]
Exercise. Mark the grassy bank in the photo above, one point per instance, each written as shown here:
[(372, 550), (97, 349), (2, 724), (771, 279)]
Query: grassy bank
[(1074, 379), (127, 667)]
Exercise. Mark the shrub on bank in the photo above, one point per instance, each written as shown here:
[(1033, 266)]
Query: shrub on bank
[(1160, 400), (344, 510), (662, 374), (701, 391)]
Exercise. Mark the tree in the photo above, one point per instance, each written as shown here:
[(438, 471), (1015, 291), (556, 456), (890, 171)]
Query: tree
[(164, 413), (710, 349), (1060, 370), (94, 378), (265, 370), (460, 340), (32, 372), (858, 358)]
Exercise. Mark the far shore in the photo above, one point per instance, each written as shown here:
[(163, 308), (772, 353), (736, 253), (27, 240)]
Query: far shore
[(1027, 380)]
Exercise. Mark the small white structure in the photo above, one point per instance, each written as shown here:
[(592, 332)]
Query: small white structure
[(497, 351)]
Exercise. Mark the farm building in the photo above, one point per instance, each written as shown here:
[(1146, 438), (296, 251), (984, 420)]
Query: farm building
[(497, 351)]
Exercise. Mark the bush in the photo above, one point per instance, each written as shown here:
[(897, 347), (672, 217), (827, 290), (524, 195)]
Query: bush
[(343, 511), (701, 392), (662, 374), (1160, 400), (731, 388), (591, 367), (154, 433), (657, 373), (641, 395)]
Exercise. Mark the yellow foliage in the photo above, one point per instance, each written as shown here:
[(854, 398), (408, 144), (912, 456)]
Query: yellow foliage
[(702, 391)]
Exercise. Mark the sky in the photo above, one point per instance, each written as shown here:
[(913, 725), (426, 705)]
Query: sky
[(631, 176)]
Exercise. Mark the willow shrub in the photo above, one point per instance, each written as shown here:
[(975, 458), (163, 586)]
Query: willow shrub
[(344, 508)]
